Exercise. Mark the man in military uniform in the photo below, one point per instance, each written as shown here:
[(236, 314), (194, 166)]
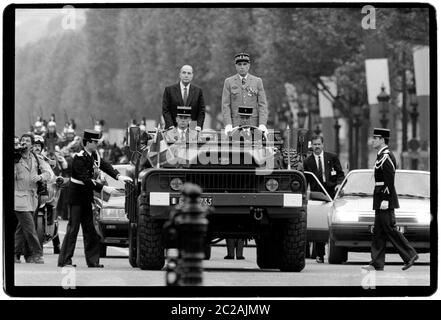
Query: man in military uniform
[(85, 169), (385, 201), (244, 89), (182, 132)]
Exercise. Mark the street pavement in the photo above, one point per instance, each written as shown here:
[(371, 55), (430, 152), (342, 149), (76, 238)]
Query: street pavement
[(218, 271)]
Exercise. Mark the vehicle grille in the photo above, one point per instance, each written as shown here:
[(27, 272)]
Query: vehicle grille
[(234, 182), (131, 203)]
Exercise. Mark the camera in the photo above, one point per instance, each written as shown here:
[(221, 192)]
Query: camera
[(18, 150)]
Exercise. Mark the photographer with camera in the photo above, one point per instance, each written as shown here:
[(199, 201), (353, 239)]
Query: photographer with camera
[(47, 202), (29, 177)]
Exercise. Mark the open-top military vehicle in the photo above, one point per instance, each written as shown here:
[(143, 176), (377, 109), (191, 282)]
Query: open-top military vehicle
[(255, 187)]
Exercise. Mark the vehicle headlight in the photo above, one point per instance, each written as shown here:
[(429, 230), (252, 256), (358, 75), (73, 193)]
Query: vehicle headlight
[(176, 184), (271, 185), (424, 218), (345, 216), (295, 185), (112, 214)]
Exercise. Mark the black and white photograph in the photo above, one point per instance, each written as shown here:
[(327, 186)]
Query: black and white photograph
[(222, 149)]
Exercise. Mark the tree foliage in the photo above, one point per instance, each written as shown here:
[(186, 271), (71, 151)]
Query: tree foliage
[(118, 65)]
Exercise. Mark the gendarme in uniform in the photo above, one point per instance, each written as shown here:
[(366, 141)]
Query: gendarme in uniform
[(385, 200), (85, 169)]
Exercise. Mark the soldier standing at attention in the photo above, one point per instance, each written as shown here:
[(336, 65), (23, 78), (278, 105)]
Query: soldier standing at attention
[(244, 89), (85, 169), (385, 201)]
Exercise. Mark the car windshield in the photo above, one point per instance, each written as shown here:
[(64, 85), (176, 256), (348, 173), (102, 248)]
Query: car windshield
[(407, 184)]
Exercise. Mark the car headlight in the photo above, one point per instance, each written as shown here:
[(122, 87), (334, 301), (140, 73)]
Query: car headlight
[(271, 185), (176, 184), (345, 216), (112, 214), (295, 185), (424, 217)]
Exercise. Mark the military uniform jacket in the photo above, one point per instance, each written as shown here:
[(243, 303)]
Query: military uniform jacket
[(84, 169), (251, 94), (384, 174), (173, 135)]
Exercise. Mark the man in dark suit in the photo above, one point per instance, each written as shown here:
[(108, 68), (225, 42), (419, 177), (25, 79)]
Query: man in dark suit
[(85, 169), (327, 168), (183, 94), (385, 200)]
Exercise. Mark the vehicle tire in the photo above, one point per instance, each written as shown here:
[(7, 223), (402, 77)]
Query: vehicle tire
[(149, 242), (266, 252), (293, 238), (132, 246), (336, 255), (207, 251), (40, 229), (294, 157), (103, 250)]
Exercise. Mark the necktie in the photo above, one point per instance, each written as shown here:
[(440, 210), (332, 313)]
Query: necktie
[(320, 169), (243, 81), (185, 95), (182, 136)]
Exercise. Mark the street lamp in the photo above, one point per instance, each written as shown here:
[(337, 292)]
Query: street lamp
[(337, 126), (383, 101), (413, 113), (356, 112)]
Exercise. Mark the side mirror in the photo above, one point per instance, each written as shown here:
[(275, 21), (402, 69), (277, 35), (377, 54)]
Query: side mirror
[(319, 196), (134, 138)]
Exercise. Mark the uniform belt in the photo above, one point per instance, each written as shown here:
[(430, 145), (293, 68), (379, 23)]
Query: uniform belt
[(76, 181), (381, 183)]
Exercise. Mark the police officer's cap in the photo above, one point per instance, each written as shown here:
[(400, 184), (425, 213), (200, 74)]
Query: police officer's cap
[(184, 111), (38, 140), (242, 57), (381, 132), (91, 135), (245, 111)]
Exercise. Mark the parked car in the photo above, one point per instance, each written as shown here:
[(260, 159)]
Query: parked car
[(110, 218), (351, 219)]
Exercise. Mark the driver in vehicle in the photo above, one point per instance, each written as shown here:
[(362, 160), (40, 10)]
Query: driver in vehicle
[(244, 89), (183, 132)]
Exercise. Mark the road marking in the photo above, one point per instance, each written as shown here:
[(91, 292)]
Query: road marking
[(122, 250)]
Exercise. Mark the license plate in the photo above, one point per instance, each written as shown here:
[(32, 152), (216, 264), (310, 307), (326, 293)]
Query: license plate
[(203, 201)]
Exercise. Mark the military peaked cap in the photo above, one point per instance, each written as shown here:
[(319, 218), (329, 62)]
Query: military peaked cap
[(91, 135), (242, 57), (381, 132), (184, 111)]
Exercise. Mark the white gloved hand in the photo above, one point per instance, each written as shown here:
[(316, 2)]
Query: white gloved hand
[(263, 128), (384, 205), (124, 178), (198, 129), (109, 190), (228, 129)]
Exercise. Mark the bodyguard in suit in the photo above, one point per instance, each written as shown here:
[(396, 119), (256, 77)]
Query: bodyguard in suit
[(244, 89), (85, 169), (385, 200), (327, 168), (183, 94)]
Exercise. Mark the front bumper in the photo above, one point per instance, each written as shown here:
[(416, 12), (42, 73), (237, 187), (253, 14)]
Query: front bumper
[(276, 205), (114, 232), (353, 235)]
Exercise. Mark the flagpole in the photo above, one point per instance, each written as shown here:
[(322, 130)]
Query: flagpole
[(158, 147)]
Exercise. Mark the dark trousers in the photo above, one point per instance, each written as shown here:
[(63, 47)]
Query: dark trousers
[(385, 230), (80, 214), (232, 244), (319, 249), (26, 235)]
